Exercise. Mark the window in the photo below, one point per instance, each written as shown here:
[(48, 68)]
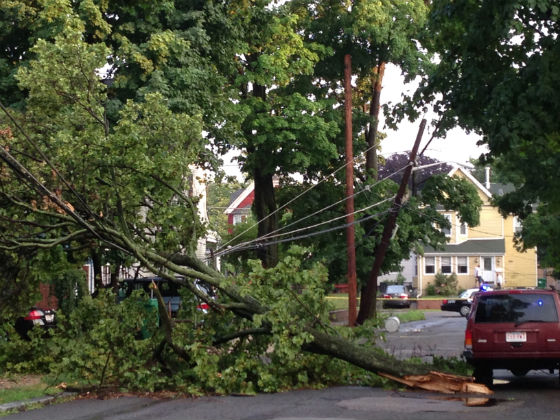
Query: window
[(517, 308), (447, 231), (446, 265), (430, 265), (487, 263), (463, 229), (462, 265), (239, 218)]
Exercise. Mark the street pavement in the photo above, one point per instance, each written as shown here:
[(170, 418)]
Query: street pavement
[(517, 402), (440, 334), (533, 396)]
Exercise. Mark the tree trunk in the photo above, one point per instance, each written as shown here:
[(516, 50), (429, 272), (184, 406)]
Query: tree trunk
[(369, 293), (264, 204), (372, 167), (265, 207)]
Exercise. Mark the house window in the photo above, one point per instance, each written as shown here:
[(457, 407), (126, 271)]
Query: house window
[(447, 231), (238, 218), (462, 265), (463, 229), (446, 265), (430, 265)]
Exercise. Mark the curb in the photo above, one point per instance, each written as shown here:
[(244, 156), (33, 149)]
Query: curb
[(39, 400)]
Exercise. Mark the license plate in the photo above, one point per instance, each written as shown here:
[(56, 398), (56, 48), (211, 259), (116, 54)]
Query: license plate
[(516, 337), (451, 301), (49, 318)]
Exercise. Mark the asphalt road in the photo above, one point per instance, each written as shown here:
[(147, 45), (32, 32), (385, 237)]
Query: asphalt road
[(533, 396), (441, 334)]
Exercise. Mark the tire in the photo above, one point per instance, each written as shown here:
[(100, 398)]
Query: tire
[(465, 310), (483, 375)]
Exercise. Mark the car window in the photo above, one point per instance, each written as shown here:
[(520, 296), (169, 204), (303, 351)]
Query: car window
[(466, 294), (395, 288), (517, 308)]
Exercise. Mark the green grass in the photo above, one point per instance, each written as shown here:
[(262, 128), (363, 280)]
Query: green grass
[(409, 316), (340, 301), (25, 392)]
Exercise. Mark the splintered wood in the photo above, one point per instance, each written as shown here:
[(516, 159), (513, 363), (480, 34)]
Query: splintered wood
[(441, 382)]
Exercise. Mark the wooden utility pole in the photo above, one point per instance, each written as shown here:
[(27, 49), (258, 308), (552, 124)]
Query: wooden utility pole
[(368, 300), (350, 240)]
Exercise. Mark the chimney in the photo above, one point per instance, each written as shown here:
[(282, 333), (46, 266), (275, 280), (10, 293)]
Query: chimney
[(487, 183)]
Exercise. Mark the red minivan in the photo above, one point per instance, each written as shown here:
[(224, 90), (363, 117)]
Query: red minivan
[(516, 329)]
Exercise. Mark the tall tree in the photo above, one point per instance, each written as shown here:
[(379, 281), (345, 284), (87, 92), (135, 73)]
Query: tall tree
[(375, 33), (498, 76), (285, 130)]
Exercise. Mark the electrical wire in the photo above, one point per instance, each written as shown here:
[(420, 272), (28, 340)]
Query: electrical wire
[(354, 160), (245, 245), (272, 234), (261, 245)]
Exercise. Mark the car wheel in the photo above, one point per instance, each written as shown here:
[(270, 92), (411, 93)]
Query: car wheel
[(519, 371), (465, 310), (483, 375)]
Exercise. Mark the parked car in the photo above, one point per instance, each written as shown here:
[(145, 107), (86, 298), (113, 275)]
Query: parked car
[(396, 296), (462, 304), (516, 329), (36, 317)]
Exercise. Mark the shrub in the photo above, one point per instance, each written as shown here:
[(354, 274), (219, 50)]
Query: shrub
[(443, 285)]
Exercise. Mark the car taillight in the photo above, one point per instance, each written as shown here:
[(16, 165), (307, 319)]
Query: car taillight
[(468, 338), (386, 296), (204, 306), (34, 314), (403, 296)]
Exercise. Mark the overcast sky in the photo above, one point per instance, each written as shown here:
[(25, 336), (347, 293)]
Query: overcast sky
[(457, 147)]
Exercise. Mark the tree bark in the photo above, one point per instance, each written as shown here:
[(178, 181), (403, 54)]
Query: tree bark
[(265, 210), (372, 166), (368, 298)]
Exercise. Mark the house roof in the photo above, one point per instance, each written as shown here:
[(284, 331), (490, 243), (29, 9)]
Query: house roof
[(471, 247), (238, 197), (471, 178)]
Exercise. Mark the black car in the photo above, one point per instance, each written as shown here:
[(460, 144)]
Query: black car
[(463, 303), (396, 296), (36, 317)]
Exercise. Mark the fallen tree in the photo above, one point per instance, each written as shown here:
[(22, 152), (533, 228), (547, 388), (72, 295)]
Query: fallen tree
[(185, 269), (70, 180)]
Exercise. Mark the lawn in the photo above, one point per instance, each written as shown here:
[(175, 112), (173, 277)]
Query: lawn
[(23, 387), (340, 301)]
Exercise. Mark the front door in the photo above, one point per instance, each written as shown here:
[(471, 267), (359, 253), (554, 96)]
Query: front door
[(488, 269)]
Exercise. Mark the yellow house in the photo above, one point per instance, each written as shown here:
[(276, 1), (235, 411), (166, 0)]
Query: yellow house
[(489, 246)]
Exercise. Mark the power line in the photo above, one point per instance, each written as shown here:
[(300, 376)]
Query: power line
[(245, 245), (344, 226), (272, 234), (297, 197)]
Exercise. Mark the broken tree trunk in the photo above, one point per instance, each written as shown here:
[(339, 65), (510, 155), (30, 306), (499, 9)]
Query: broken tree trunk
[(403, 372), (368, 299)]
